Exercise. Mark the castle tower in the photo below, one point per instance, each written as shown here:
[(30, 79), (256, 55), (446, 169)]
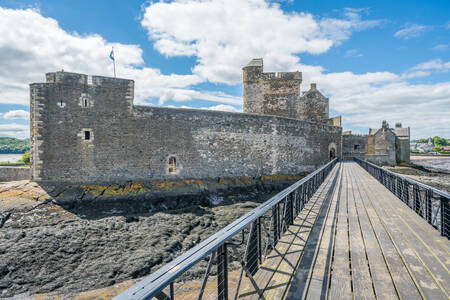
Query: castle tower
[(313, 106), (65, 113), (270, 93)]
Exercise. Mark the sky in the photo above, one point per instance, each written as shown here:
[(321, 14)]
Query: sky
[(375, 60)]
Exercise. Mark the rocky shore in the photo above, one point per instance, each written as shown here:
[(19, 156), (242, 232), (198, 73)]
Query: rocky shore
[(437, 178), (62, 240)]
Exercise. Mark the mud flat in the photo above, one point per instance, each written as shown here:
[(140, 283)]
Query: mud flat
[(92, 242), (428, 170)]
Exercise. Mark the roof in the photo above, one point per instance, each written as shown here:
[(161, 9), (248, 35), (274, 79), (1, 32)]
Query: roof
[(401, 131), (256, 62)]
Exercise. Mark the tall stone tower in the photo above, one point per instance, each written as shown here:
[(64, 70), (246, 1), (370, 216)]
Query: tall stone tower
[(270, 93)]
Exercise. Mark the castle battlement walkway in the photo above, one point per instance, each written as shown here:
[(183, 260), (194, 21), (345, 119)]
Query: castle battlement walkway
[(339, 234)]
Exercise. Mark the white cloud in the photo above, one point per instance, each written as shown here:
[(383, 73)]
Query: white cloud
[(231, 32), (15, 130), (441, 47), (353, 53), (435, 64), (220, 107), (31, 45), (17, 114), (411, 31)]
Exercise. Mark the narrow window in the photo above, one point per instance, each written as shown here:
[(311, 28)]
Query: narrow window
[(172, 164), (87, 135), (85, 102), (282, 103)]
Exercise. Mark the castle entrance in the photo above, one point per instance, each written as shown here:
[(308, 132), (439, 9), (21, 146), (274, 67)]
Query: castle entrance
[(332, 153)]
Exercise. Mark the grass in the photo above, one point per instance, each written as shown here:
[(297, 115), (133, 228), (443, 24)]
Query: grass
[(15, 164)]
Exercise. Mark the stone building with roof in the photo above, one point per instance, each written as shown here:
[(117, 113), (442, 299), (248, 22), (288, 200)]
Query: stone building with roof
[(382, 146)]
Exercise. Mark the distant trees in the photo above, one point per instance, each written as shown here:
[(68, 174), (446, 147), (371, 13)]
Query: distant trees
[(26, 158), (13, 145), (438, 141)]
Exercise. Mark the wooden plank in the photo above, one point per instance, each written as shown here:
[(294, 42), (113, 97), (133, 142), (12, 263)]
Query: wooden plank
[(299, 281), (429, 236), (437, 278), (317, 284), (381, 276), (362, 280), (403, 281), (340, 287), (271, 263), (416, 268)]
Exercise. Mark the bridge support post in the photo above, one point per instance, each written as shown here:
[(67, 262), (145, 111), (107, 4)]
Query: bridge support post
[(222, 272)]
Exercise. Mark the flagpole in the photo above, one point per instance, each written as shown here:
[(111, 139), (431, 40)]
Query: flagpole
[(114, 63)]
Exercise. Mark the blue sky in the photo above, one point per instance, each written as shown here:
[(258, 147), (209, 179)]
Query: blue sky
[(375, 59)]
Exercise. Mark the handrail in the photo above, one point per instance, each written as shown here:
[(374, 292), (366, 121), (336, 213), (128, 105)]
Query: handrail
[(412, 181), (431, 204), (152, 284)]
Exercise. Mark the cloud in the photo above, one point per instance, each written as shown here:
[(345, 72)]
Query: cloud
[(231, 32), (220, 107), (15, 130), (411, 31), (17, 114), (31, 45), (441, 47), (435, 64), (353, 53)]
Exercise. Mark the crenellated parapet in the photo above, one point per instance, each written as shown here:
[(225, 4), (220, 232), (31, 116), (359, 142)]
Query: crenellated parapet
[(270, 93)]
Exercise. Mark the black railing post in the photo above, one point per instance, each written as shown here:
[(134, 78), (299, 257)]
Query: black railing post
[(252, 249), (445, 222), (275, 223), (428, 196), (222, 272), (417, 200)]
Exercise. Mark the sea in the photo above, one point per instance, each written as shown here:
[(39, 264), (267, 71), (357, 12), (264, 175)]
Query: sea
[(12, 158)]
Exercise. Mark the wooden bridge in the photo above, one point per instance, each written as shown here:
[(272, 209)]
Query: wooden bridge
[(353, 238)]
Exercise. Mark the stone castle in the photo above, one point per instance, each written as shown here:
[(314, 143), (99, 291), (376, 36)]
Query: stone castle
[(87, 130)]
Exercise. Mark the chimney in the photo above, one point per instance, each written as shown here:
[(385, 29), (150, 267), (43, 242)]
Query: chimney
[(313, 86), (398, 125)]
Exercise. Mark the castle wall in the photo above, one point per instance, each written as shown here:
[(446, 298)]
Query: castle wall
[(354, 146), (137, 143)]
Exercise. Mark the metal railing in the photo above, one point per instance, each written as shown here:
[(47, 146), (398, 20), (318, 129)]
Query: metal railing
[(428, 202), (258, 232)]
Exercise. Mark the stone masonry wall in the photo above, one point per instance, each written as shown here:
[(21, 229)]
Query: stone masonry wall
[(134, 143), (354, 145), (14, 173), (270, 93)]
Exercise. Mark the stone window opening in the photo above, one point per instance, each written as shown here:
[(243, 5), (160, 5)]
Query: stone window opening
[(282, 102), (85, 102), (356, 147), (172, 165), (87, 135)]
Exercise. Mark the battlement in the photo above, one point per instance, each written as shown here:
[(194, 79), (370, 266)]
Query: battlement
[(253, 71), (77, 78)]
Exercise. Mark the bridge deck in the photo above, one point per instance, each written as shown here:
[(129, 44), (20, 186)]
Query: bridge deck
[(355, 239)]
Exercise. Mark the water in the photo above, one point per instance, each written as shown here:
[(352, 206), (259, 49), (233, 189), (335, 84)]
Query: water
[(12, 158)]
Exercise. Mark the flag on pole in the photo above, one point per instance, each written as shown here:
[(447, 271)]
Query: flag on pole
[(111, 55)]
